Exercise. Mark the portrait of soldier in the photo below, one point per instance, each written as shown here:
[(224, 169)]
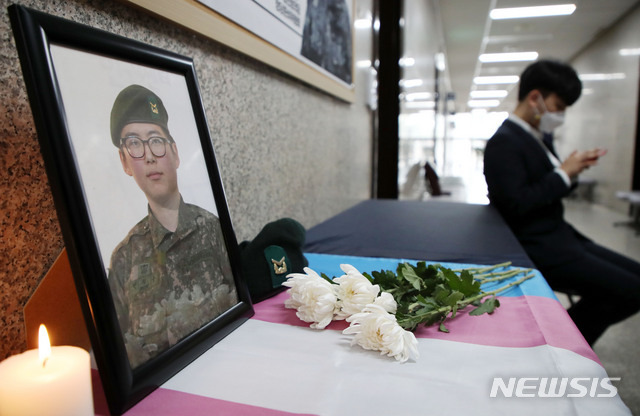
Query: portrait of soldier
[(171, 274)]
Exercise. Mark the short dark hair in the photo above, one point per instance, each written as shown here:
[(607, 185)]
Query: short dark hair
[(551, 76)]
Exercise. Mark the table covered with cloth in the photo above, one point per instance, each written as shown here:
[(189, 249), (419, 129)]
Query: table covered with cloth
[(274, 364)]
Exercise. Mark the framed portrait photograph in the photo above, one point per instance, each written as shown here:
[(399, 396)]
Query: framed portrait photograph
[(138, 192)]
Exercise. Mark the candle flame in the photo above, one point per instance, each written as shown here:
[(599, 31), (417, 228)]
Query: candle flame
[(44, 346)]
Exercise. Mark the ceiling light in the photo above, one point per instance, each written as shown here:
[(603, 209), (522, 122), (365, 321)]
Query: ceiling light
[(602, 77), (520, 38), (418, 96), (503, 79), (535, 11), (407, 62), (410, 83), (489, 93), (508, 57), (362, 23), (483, 103), (420, 104), (629, 52)]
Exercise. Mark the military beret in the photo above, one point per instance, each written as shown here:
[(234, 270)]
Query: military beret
[(272, 255), (136, 104)]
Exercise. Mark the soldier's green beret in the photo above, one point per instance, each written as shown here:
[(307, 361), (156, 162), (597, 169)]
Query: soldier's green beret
[(136, 104), (271, 256)]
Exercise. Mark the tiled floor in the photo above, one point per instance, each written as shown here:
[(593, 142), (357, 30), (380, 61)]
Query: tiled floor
[(619, 348)]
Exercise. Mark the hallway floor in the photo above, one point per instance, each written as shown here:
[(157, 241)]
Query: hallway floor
[(619, 347)]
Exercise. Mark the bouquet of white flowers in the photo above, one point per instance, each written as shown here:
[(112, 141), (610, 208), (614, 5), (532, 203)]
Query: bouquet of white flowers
[(383, 308)]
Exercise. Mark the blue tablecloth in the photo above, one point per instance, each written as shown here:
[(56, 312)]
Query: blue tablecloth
[(424, 230)]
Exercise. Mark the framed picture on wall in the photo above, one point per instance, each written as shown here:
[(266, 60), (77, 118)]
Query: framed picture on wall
[(310, 40), (139, 197)]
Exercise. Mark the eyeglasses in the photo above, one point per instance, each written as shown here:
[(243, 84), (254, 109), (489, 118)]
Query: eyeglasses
[(135, 146)]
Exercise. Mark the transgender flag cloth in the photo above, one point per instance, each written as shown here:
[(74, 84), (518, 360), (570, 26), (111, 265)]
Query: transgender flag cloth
[(274, 364)]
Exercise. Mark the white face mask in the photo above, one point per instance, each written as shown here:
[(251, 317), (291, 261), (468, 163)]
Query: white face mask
[(549, 121)]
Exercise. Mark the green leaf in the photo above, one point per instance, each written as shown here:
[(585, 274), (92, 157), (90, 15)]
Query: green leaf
[(410, 276), (329, 279), (443, 328), (433, 317), (453, 298), (463, 283), (385, 278), (427, 304), (409, 321), (454, 311), (424, 271), (488, 306), (440, 293)]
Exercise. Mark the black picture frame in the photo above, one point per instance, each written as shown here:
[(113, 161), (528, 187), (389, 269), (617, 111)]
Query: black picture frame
[(37, 35)]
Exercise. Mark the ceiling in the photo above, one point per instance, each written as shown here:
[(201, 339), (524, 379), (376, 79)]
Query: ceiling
[(469, 32)]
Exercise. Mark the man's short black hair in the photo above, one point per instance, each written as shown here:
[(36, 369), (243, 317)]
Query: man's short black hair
[(550, 76)]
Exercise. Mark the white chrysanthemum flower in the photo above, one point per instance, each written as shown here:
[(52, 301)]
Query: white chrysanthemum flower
[(387, 301), (375, 329), (355, 291), (313, 298)]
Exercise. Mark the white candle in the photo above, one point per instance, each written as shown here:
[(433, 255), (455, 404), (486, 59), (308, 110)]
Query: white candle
[(57, 385)]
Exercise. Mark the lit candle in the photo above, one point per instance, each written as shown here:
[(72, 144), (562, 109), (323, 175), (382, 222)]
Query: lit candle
[(49, 381)]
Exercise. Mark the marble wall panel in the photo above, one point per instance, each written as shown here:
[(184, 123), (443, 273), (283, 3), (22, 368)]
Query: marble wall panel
[(284, 148)]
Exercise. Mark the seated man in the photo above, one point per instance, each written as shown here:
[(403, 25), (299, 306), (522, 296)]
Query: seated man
[(527, 182), (171, 274)]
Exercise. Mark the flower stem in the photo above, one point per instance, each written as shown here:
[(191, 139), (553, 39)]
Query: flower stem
[(496, 291), (501, 276), (466, 302), (485, 269)]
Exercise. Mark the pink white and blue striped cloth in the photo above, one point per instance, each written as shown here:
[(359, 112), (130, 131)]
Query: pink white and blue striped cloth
[(275, 365)]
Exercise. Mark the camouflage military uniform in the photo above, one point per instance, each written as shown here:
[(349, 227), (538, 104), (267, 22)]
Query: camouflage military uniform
[(165, 284)]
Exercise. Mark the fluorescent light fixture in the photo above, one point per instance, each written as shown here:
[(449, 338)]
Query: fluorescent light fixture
[(508, 57), (406, 62), (489, 93), (519, 38), (483, 103), (602, 77), (502, 79), (418, 96), (535, 11), (410, 83), (362, 23), (365, 63), (629, 52), (420, 104)]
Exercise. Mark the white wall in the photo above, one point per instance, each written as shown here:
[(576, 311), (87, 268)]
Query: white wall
[(606, 115)]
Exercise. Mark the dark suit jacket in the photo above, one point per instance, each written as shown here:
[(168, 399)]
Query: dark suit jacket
[(525, 189)]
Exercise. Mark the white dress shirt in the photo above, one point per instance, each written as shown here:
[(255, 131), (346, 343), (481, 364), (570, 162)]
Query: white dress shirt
[(537, 135)]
